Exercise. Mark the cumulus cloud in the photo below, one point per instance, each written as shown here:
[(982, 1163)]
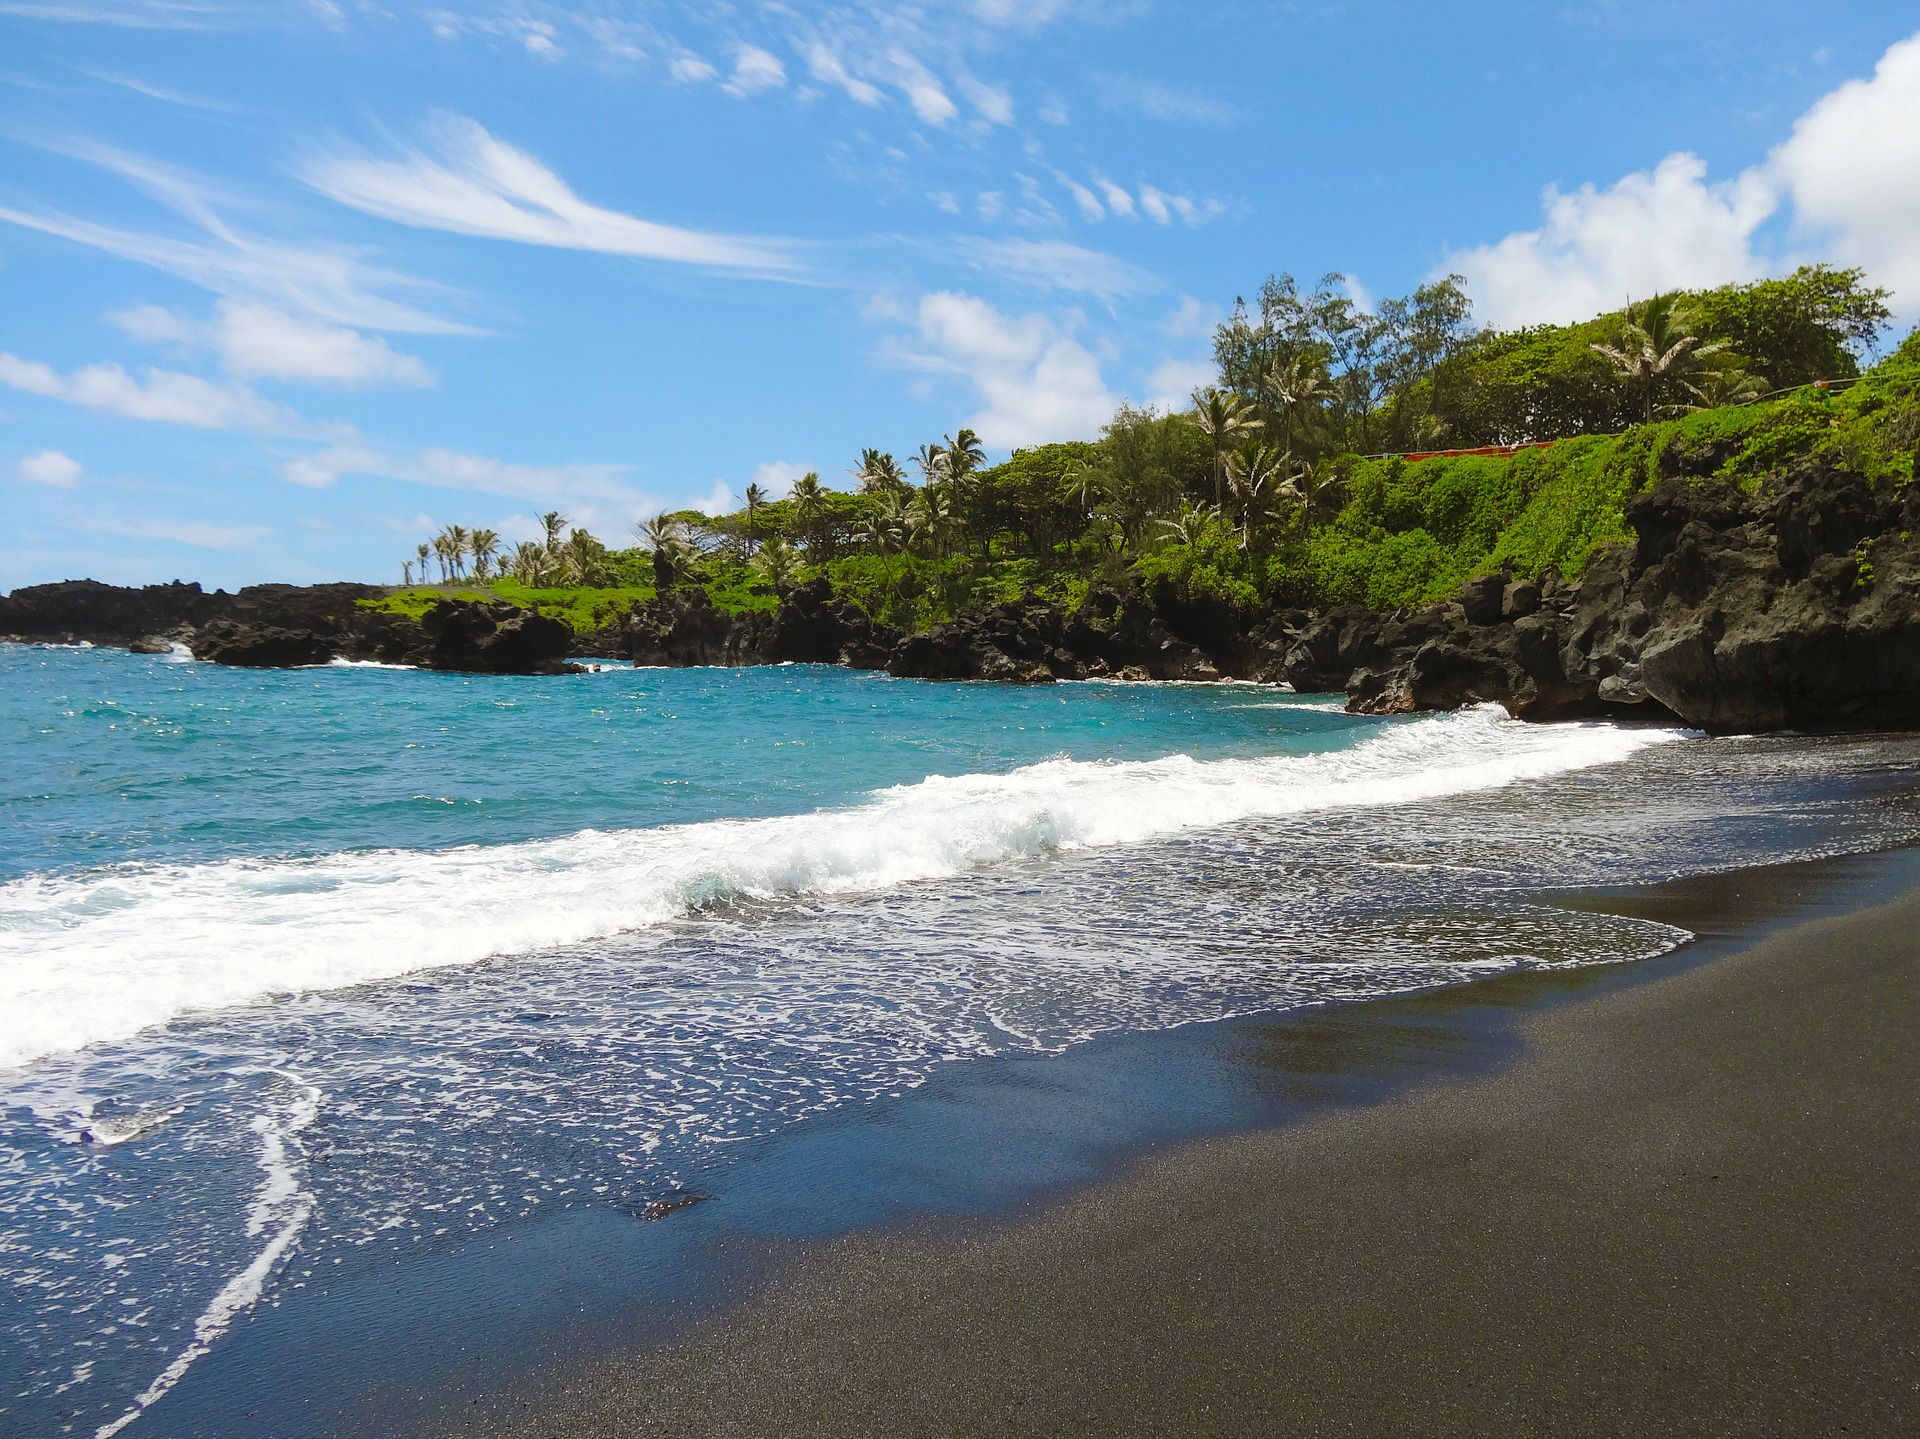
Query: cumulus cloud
[(1852, 166), (255, 341), (1035, 381), (1661, 229), (473, 184), (1171, 383), (166, 396), (50, 467), (1849, 175)]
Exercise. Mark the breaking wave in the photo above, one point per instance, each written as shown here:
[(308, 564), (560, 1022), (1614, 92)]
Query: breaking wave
[(100, 955)]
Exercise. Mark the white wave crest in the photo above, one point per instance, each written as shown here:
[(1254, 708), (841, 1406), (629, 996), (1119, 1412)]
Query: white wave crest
[(101, 955)]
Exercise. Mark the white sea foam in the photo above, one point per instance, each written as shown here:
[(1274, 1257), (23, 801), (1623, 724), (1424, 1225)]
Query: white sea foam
[(101, 955)]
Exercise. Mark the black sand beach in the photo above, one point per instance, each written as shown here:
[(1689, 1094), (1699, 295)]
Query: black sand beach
[(1689, 1209)]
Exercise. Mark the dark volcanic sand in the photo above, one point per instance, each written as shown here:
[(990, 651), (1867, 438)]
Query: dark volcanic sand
[(1691, 1209)]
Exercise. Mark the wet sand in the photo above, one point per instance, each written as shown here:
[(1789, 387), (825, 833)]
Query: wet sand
[(1693, 1207)]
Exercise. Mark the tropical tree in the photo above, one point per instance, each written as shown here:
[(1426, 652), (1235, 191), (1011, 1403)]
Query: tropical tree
[(1191, 524), (1657, 345), (443, 555), (457, 542), (931, 462), (1721, 386), (756, 497), (585, 558), (1253, 472), (1225, 419), (809, 499), (930, 514), (1293, 382), (778, 562), (534, 565), (673, 552), (484, 545), (406, 573), (879, 473), (420, 554), (551, 524)]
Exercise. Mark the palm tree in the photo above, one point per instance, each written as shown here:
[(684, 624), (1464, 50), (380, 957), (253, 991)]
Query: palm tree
[(1191, 523), (809, 506), (585, 558), (778, 562), (533, 565), (484, 545), (931, 461), (456, 538), (756, 497), (931, 514), (420, 553), (1722, 386), (879, 473), (551, 523), (1294, 382), (964, 453), (1312, 487), (672, 557), (1658, 343), (1083, 484), (406, 574), (1224, 419), (1251, 470), (443, 553)]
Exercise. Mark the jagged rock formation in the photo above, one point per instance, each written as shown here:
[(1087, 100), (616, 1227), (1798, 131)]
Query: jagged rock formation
[(1793, 606), (278, 626)]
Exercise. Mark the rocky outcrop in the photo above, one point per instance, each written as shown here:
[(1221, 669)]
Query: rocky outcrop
[(808, 625), (1794, 606), (280, 626)]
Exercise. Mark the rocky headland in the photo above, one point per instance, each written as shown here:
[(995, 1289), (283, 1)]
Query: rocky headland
[(1794, 604)]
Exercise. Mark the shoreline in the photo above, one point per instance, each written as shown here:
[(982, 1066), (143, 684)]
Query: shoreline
[(1681, 1209)]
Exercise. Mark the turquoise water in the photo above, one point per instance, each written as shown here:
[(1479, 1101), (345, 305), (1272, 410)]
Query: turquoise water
[(112, 757), (309, 977)]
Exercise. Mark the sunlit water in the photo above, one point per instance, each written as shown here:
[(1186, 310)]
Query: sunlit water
[(311, 969)]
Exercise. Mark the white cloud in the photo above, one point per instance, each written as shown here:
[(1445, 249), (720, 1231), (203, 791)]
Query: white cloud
[(1852, 166), (1192, 319), (1159, 101), (477, 185), (1036, 382), (718, 500), (181, 532), (334, 284), (1655, 230), (50, 467), (993, 104), (453, 470), (1118, 200), (690, 69), (776, 477), (1058, 265), (825, 65), (166, 396), (1171, 383), (1850, 173), (1054, 112), (754, 70), (256, 341), (931, 103), (1163, 207), (1090, 207)]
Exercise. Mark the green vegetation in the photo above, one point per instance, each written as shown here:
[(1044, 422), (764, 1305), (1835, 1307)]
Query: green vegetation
[(1290, 483)]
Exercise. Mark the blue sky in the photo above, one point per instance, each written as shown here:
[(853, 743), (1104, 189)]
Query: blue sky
[(289, 285)]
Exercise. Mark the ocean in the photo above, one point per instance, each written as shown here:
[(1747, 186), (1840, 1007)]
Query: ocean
[(317, 987)]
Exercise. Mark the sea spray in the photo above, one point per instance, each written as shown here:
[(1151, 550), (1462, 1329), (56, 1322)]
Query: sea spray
[(101, 955)]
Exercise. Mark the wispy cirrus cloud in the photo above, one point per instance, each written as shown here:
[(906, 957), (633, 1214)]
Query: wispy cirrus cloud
[(332, 282), (1058, 265), (197, 533), (470, 183), (456, 470)]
